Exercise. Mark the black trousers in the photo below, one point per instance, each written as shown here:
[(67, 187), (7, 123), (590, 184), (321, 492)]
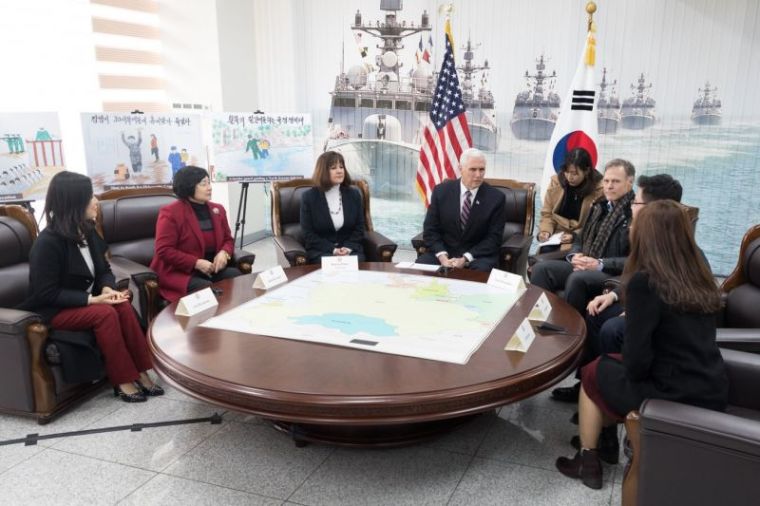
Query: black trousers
[(198, 281)]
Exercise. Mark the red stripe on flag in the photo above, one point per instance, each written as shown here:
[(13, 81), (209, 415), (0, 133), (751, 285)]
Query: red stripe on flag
[(446, 169)]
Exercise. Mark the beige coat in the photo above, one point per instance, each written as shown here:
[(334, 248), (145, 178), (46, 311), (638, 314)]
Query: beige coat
[(551, 221)]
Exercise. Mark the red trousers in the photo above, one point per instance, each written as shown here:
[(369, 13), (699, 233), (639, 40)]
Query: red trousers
[(118, 334)]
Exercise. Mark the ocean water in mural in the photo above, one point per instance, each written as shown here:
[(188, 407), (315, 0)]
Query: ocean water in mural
[(718, 166)]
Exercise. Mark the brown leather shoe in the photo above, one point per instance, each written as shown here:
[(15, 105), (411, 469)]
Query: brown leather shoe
[(585, 466)]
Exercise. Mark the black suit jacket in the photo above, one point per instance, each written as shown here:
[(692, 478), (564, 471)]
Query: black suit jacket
[(482, 237), (319, 233), (59, 276)]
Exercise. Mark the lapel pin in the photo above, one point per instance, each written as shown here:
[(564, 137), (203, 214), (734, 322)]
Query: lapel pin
[(215, 210)]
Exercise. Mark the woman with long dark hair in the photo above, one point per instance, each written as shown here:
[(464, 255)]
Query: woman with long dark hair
[(569, 197), (332, 213), (193, 241), (669, 351), (71, 286)]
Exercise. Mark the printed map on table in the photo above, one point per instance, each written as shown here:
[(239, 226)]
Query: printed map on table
[(404, 314)]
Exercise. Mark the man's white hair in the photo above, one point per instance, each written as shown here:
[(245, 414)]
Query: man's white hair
[(470, 153)]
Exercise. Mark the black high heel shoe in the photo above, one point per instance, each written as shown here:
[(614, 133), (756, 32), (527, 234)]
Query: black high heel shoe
[(135, 397), (153, 391)]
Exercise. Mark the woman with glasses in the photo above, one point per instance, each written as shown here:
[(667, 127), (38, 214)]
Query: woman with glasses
[(194, 245)]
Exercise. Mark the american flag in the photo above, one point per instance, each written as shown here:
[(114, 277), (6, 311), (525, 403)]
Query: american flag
[(446, 135)]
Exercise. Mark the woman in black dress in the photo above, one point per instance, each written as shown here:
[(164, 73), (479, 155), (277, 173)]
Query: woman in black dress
[(669, 351)]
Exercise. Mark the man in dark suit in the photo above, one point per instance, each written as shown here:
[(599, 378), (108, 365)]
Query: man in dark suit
[(464, 224)]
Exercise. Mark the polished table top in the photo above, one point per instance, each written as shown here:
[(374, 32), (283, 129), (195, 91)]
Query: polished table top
[(307, 382)]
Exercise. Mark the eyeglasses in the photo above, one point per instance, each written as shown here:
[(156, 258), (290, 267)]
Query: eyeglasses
[(639, 203)]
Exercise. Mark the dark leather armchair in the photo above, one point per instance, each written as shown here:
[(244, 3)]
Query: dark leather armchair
[(34, 380), (518, 231), (688, 455), (740, 319), (127, 221), (286, 224)]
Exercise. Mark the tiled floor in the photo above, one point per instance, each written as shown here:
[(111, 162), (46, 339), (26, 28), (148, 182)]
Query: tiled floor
[(500, 458), (505, 457)]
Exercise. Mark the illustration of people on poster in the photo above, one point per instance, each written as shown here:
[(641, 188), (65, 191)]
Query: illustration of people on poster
[(133, 150), (31, 152), (250, 147)]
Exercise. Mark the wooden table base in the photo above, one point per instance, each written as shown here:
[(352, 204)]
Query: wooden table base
[(375, 436)]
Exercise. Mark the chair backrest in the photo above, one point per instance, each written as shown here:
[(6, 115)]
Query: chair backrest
[(286, 206), (520, 200), (693, 214), (18, 230), (742, 286), (127, 220)]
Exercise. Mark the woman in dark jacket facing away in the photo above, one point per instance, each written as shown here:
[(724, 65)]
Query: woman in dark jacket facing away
[(669, 350), (71, 286), (332, 213)]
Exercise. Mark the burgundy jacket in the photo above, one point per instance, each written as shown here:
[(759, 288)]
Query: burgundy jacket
[(179, 243)]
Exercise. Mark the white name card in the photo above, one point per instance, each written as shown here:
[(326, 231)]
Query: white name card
[(506, 281), (270, 277), (196, 302), (541, 309), (345, 263), (522, 338)]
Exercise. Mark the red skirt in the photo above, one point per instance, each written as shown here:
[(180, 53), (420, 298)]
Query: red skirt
[(591, 387)]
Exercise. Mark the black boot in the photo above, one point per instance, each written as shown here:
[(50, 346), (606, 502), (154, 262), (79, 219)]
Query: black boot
[(567, 394), (585, 466), (609, 447)]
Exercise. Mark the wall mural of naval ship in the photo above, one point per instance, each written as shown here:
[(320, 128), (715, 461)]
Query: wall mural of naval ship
[(537, 107), (638, 110), (377, 111), (608, 106), (707, 108)]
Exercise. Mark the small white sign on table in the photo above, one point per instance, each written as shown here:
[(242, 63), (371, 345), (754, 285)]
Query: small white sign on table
[(196, 302), (345, 263), (270, 277), (522, 338), (506, 281), (541, 309)]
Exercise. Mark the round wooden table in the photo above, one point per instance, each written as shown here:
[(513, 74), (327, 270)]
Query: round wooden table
[(325, 393)]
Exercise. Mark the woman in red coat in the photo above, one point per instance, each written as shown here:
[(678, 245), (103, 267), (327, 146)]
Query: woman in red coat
[(193, 240)]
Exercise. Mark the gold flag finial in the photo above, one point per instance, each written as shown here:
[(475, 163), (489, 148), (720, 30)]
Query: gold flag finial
[(446, 9), (591, 9)]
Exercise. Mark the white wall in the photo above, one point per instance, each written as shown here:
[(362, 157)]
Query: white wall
[(190, 47), (49, 65)]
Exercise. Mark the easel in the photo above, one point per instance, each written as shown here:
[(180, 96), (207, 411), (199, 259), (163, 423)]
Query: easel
[(240, 219)]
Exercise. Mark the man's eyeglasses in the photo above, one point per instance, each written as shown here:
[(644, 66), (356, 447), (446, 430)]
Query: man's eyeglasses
[(634, 203)]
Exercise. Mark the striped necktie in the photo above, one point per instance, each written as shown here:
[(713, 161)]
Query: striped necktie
[(466, 206)]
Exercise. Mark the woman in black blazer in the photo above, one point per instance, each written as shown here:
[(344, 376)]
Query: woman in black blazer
[(332, 213), (669, 351), (71, 286)]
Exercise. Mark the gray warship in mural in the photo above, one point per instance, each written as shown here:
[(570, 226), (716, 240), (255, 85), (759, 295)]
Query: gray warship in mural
[(707, 108), (378, 112), (479, 104), (637, 112), (608, 107), (536, 108)]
